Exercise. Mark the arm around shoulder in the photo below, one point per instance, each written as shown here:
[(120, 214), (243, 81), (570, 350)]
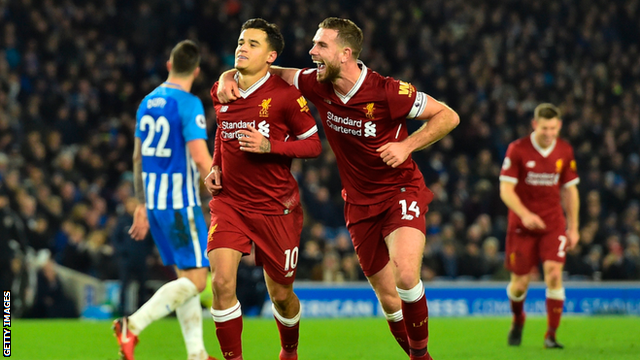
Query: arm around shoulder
[(286, 74)]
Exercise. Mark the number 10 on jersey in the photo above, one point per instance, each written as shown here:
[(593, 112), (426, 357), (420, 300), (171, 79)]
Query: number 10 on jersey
[(290, 258)]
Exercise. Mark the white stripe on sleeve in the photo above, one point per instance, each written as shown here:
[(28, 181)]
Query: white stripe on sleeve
[(418, 105)]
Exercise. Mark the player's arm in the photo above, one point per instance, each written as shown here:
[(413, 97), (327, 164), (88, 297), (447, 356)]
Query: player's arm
[(200, 154), (213, 181), (228, 87), (510, 198), (571, 204), (439, 121), (140, 226), (305, 147)]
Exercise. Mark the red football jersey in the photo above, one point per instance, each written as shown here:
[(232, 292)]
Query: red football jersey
[(372, 114), (538, 174), (261, 182)]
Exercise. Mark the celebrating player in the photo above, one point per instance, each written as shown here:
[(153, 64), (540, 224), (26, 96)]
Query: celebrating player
[(170, 154), (364, 114), (537, 180), (256, 197)]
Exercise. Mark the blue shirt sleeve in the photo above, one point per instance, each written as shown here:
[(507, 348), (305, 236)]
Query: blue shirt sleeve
[(194, 123), (139, 114)]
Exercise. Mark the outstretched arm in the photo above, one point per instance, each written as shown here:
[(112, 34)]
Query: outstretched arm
[(439, 121)]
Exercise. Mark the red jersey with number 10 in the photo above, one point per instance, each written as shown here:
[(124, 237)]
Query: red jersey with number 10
[(260, 183)]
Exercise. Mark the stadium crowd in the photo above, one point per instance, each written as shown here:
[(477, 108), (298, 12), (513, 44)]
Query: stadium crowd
[(73, 72)]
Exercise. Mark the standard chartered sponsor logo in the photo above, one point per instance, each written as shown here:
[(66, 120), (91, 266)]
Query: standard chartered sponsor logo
[(229, 128), (349, 126), (542, 179), (369, 129)]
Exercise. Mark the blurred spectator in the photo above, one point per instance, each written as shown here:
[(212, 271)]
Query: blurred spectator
[(50, 301), (69, 89), (493, 260), (130, 257), (251, 289)]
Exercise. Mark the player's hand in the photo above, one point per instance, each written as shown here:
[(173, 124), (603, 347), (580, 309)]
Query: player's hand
[(573, 236), (533, 222), (213, 181), (140, 227), (253, 141), (394, 153), (227, 87)]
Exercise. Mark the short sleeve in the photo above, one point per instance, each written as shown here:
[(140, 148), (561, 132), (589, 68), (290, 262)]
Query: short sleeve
[(301, 122), (194, 123), (304, 80), (510, 165), (139, 115), (401, 97)]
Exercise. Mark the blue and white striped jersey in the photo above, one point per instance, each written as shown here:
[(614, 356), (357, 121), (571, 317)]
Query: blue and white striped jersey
[(166, 120)]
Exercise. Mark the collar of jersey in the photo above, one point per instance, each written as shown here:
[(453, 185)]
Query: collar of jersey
[(356, 87), (245, 93), (543, 152), (172, 86)]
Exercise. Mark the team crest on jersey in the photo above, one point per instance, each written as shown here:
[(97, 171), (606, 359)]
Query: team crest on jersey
[(406, 89), (265, 105), (369, 109), (559, 165), (303, 104)]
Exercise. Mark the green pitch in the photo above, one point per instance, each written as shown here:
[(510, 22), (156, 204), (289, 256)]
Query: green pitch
[(450, 338)]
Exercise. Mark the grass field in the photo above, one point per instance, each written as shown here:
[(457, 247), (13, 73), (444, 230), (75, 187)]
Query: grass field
[(450, 338)]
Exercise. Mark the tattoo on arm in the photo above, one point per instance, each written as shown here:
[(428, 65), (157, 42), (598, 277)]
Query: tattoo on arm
[(265, 146), (138, 184)]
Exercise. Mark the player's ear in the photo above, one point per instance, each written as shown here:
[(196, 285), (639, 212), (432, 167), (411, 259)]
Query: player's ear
[(346, 54), (534, 123), (196, 72), (169, 65), (273, 55)]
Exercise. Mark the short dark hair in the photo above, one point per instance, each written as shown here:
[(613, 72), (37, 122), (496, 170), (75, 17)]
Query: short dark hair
[(274, 36), (185, 57), (349, 34), (546, 111)]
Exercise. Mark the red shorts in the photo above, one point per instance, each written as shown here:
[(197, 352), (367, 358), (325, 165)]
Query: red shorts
[(370, 224), (277, 237), (525, 249)]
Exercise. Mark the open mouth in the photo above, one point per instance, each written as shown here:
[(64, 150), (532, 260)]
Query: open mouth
[(321, 66)]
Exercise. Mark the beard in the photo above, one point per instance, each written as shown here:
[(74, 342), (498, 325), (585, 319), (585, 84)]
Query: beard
[(331, 73)]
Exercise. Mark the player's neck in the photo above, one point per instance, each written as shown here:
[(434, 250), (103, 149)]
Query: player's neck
[(348, 77), (245, 80), (180, 82)]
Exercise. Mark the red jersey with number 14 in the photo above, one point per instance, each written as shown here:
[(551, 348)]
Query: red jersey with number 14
[(539, 174), (372, 114)]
